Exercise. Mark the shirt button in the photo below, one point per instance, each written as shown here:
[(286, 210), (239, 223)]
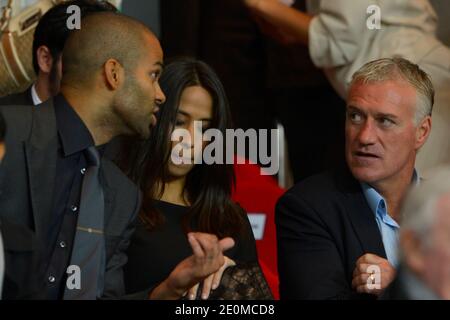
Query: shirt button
[(51, 279), (74, 208), (83, 171), (62, 244)]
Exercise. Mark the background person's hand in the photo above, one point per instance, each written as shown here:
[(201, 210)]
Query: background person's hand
[(212, 282), (251, 3), (372, 274)]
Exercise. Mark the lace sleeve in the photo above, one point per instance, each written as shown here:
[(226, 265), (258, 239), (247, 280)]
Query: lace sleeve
[(244, 281)]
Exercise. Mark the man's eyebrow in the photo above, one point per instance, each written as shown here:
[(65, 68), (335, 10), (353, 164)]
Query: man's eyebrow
[(378, 114), (188, 115), (353, 108), (386, 115)]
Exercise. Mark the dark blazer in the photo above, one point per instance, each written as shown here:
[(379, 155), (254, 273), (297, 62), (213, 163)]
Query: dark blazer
[(324, 225), (28, 182), (24, 267), (18, 99)]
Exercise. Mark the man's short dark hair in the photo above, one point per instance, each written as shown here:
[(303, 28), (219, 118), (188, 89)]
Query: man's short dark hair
[(52, 30), (104, 36)]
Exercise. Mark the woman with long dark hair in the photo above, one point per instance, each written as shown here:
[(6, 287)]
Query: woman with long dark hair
[(188, 197)]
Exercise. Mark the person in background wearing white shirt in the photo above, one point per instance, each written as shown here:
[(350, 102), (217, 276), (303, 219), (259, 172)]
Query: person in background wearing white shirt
[(343, 35)]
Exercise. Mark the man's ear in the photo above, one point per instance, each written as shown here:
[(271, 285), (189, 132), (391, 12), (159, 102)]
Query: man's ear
[(423, 131), (114, 74), (44, 59)]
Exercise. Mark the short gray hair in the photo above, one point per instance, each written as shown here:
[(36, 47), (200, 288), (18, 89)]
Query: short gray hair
[(419, 210), (400, 69)]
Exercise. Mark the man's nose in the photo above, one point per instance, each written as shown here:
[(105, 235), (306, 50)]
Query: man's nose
[(160, 96), (367, 133)]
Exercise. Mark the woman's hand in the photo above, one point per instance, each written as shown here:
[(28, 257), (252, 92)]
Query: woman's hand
[(212, 282), (207, 259)]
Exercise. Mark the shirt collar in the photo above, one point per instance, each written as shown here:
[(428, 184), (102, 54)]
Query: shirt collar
[(73, 133), (376, 202), (35, 96)]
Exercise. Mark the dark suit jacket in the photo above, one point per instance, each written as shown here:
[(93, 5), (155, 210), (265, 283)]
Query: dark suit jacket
[(324, 225), (24, 268), (28, 182), (18, 99)]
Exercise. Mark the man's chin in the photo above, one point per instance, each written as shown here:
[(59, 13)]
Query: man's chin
[(365, 174), (139, 133)]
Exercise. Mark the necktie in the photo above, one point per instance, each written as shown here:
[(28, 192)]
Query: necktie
[(88, 251)]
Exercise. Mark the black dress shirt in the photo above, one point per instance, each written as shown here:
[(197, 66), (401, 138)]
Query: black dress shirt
[(71, 163)]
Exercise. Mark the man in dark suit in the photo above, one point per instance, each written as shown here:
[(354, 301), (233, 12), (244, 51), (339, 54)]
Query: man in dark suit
[(338, 232), (55, 181), (48, 43)]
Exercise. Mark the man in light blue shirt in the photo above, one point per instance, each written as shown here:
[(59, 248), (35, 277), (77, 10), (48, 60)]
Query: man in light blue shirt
[(389, 109), (389, 228)]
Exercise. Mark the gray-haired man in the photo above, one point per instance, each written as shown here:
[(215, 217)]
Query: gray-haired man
[(338, 232)]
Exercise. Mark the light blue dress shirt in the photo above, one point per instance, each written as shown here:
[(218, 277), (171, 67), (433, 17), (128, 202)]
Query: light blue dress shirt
[(389, 228)]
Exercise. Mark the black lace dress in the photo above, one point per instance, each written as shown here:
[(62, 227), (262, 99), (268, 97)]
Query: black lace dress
[(153, 255)]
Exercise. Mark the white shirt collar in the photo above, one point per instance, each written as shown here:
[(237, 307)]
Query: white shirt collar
[(34, 95)]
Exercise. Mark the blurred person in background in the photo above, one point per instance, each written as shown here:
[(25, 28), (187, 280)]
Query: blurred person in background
[(281, 83), (425, 242), (48, 43)]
